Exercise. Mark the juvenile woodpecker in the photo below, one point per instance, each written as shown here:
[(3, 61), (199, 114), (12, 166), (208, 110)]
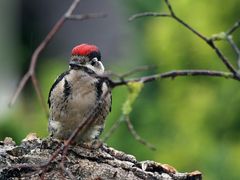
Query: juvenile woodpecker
[(76, 92)]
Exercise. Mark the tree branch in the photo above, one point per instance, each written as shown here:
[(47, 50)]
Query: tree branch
[(174, 74), (86, 16), (233, 28), (113, 129), (145, 14), (82, 163), (131, 129), (137, 136), (235, 48)]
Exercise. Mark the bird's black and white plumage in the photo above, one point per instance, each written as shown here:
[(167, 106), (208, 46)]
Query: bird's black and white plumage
[(75, 95)]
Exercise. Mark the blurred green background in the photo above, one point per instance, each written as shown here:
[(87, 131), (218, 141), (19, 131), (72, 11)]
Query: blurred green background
[(193, 121)]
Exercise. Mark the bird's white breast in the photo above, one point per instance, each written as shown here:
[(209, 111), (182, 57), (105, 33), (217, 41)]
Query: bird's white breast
[(83, 95)]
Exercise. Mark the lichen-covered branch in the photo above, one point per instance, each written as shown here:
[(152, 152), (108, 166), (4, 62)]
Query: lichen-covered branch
[(24, 161)]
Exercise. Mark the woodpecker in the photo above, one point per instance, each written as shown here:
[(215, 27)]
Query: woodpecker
[(76, 92)]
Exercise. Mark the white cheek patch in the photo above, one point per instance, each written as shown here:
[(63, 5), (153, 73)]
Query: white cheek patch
[(90, 67), (97, 70), (104, 88)]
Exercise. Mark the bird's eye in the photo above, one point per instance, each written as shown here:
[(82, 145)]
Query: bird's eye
[(94, 61)]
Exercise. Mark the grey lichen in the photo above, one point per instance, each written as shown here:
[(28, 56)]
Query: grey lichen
[(23, 161)]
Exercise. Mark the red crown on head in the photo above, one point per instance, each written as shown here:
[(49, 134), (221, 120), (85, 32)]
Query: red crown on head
[(84, 49)]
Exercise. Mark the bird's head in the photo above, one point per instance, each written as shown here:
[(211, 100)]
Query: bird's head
[(87, 55)]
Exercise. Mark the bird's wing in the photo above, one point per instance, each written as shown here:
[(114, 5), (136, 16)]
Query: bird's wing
[(59, 78)]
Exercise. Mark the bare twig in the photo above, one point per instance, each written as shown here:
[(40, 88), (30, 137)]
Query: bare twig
[(233, 45), (233, 28), (86, 16), (224, 59), (235, 48), (209, 41), (30, 74), (145, 14), (170, 7), (113, 129), (136, 135), (174, 74), (228, 35), (39, 92)]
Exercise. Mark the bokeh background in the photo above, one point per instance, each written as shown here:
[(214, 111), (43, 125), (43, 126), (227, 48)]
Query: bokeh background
[(193, 121)]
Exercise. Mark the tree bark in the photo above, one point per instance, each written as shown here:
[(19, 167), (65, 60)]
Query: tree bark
[(24, 162)]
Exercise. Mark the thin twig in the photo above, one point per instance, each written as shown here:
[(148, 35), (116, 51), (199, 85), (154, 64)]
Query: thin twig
[(39, 93), (233, 45), (136, 135), (145, 14), (235, 48), (112, 129), (86, 16), (170, 7), (71, 8), (126, 119), (223, 58), (233, 28), (173, 15), (20, 86), (174, 74)]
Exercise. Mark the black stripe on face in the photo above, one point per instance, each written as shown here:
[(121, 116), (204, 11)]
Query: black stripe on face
[(67, 89), (83, 68)]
